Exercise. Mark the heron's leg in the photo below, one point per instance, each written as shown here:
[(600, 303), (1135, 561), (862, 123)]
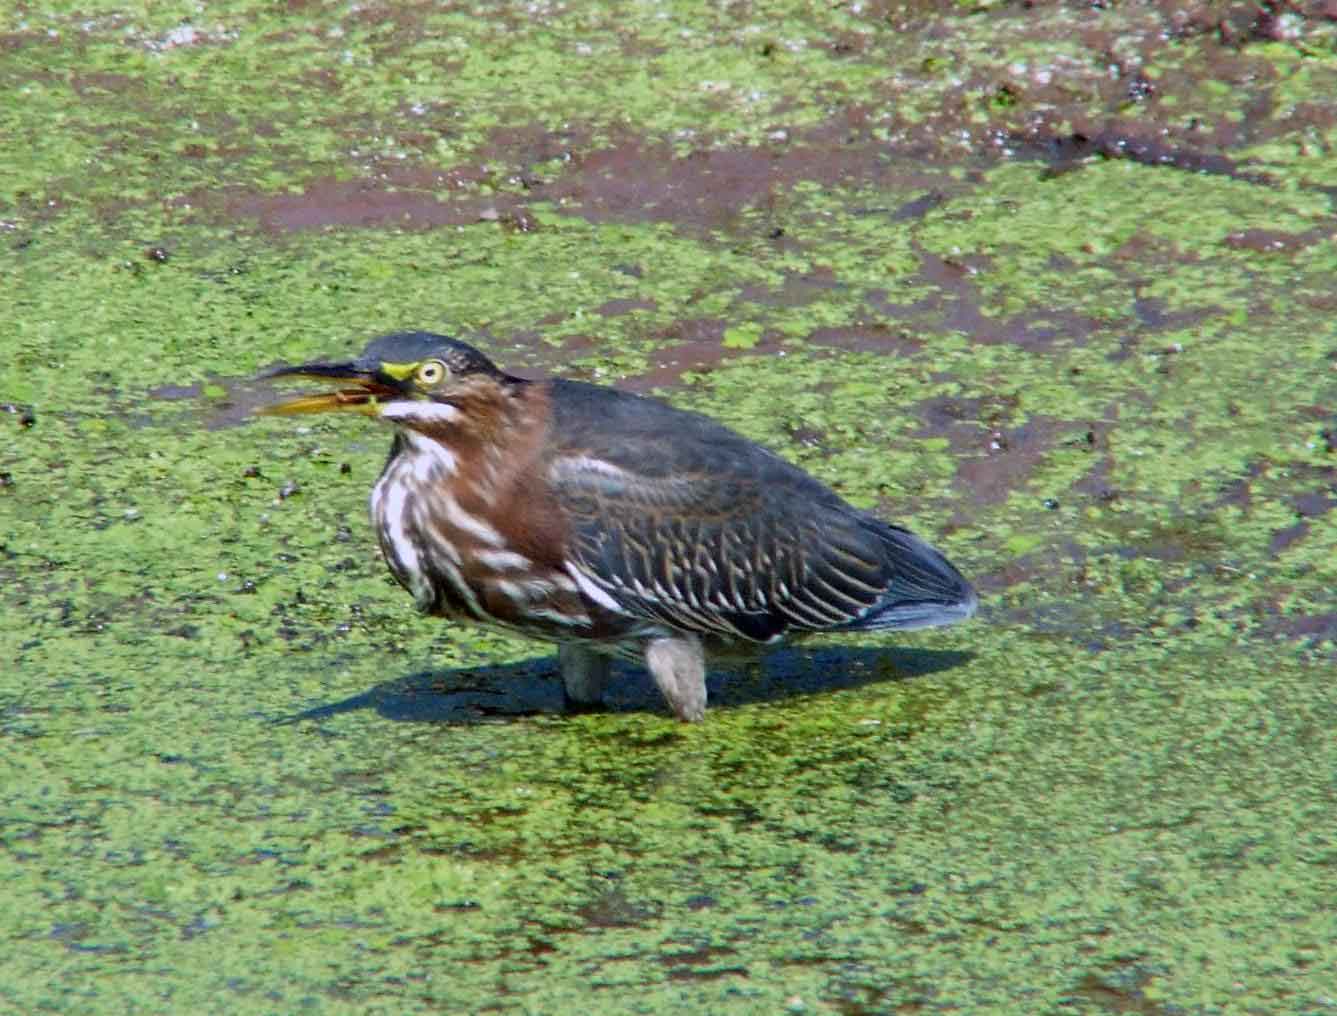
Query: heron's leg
[(678, 665), (584, 673)]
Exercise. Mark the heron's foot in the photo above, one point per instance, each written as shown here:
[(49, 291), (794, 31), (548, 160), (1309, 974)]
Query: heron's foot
[(584, 676), (678, 665)]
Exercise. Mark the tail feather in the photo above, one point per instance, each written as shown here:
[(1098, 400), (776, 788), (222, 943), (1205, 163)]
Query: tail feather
[(925, 589)]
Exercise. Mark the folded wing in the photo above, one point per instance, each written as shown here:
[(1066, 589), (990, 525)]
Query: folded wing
[(708, 532)]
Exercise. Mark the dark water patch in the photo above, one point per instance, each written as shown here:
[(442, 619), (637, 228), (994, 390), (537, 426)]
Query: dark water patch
[(1310, 491), (605, 169), (535, 144), (1013, 454), (913, 211), (1097, 483), (1118, 992), (623, 305), (695, 973), (1314, 631), (1151, 312), (641, 180), (1315, 503), (173, 393), (1190, 538), (1272, 241), (693, 345), (797, 290), (1324, 418), (12, 42), (612, 908), (872, 337), (1311, 626), (91, 84), (964, 421), (852, 998), (622, 175), (1283, 538), (545, 359), (220, 402), (630, 178), (996, 456), (956, 305), (1034, 566), (696, 334), (366, 203), (1238, 493), (1035, 103), (73, 931), (1064, 153)]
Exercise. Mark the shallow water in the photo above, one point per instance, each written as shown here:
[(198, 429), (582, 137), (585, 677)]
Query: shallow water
[(1065, 308)]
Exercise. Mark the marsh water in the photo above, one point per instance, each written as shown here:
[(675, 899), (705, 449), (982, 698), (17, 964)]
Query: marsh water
[(1050, 283)]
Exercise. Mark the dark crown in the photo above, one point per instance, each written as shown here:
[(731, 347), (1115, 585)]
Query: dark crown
[(414, 347)]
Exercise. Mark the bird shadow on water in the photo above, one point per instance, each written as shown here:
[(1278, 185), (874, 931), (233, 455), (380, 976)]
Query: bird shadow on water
[(470, 695)]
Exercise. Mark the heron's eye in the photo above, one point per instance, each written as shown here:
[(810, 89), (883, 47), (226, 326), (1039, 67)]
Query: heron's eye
[(431, 372)]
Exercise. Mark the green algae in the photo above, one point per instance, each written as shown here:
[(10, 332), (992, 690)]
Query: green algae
[(192, 820), (239, 772), (803, 854)]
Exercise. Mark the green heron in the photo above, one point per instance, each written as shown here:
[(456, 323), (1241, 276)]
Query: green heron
[(612, 524)]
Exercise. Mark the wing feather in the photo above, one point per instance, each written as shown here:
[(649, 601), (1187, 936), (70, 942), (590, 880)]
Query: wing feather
[(685, 523), (705, 554)]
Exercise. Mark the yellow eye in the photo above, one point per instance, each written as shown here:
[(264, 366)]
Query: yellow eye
[(431, 372)]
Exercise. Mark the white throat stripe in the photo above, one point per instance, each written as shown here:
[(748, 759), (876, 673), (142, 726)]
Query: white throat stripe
[(420, 409)]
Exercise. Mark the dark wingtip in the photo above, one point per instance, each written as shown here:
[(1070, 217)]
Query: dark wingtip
[(927, 590), (906, 615)]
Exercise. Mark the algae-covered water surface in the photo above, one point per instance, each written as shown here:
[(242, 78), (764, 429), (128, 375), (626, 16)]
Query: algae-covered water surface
[(1050, 283)]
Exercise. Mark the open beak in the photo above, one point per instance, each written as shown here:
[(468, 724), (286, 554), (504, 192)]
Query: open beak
[(367, 385)]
